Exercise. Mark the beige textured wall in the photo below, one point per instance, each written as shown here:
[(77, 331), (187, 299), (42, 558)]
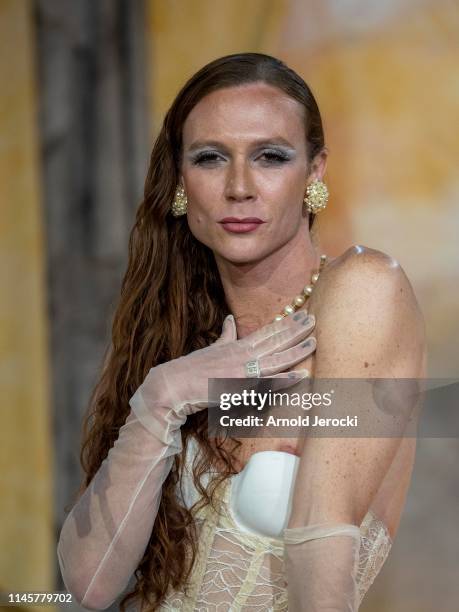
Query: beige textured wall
[(26, 527)]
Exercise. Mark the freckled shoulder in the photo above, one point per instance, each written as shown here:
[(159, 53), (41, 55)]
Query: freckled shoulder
[(365, 308), (342, 273)]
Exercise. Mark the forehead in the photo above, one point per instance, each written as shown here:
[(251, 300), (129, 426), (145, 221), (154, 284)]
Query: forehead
[(246, 111)]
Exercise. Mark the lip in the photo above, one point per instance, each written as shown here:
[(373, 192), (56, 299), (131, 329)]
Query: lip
[(244, 220), (241, 227)]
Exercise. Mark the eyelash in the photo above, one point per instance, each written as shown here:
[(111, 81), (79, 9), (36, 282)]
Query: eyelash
[(274, 156)]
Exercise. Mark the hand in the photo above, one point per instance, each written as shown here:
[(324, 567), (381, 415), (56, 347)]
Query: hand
[(182, 384)]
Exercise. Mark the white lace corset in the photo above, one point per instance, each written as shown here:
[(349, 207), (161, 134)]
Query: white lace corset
[(239, 571)]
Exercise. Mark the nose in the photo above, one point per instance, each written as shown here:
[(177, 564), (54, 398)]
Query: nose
[(239, 184)]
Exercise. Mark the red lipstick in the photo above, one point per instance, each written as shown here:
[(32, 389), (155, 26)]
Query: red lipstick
[(239, 226)]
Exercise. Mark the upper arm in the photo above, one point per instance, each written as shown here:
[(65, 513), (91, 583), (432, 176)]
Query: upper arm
[(369, 325)]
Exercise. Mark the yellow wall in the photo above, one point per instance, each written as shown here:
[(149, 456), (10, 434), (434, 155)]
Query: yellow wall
[(26, 527)]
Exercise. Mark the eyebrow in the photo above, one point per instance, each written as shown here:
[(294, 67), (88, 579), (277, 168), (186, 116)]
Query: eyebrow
[(199, 144)]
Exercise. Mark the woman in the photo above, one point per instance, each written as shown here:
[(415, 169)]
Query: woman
[(243, 139)]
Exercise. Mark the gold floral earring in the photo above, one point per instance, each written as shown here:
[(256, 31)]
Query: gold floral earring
[(178, 207), (316, 197)]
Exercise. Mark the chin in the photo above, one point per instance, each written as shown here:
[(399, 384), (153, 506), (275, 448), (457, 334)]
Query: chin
[(238, 256)]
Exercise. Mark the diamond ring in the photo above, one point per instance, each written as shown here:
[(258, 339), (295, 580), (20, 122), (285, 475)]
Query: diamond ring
[(252, 369)]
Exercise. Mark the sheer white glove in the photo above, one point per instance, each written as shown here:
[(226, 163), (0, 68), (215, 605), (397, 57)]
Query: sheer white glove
[(321, 563), (182, 384), (106, 533)]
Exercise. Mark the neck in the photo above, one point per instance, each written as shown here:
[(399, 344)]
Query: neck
[(258, 291)]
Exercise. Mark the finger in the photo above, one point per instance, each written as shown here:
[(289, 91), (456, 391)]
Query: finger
[(229, 332), (284, 381), (297, 374), (268, 330), (285, 339), (279, 362)]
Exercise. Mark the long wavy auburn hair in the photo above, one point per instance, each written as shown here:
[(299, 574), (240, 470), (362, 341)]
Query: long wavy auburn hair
[(171, 303)]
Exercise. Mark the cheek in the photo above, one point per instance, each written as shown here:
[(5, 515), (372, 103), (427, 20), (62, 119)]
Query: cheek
[(286, 207), (200, 200), (200, 218), (198, 228), (287, 191), (287, 224)]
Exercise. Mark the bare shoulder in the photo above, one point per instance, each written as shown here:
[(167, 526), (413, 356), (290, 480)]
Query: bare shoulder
[(367, 313), (360, 270), (362, 258)]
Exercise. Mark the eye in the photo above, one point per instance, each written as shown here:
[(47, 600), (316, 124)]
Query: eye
[(207, 156), (272, 157), (275, 156)]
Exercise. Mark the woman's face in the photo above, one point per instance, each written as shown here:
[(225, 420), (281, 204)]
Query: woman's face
[(244, 155)]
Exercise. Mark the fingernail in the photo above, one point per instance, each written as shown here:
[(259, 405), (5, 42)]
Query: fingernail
[(310, 319), (309, 342), (304, 373), (301, 314)]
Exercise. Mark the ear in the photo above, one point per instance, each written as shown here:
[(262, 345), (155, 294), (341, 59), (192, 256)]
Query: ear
[(229, 331)]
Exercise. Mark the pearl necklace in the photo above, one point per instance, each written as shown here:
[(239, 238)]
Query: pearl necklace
[(299, 300)]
